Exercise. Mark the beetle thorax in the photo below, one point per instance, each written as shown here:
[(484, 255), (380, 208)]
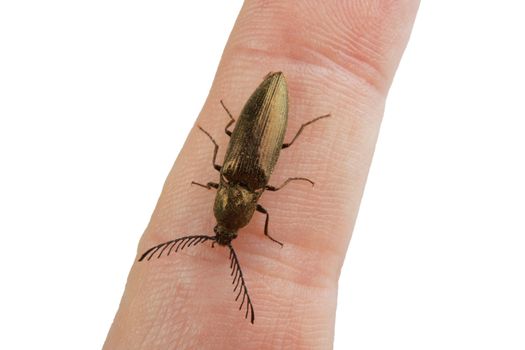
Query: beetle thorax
[(234, 206)]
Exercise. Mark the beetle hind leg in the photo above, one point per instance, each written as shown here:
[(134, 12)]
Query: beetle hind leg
[(232, 120), (260, 209), (286, 145)]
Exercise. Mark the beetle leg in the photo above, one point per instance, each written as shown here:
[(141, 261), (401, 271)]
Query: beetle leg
[(286, 145), (260, 209), (273, 188), (209, 185), (215, 150), (228, 132)]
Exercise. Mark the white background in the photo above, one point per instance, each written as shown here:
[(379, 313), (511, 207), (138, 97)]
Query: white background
[(96, 100)]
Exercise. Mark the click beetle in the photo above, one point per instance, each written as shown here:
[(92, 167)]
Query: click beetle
[(255, 144)]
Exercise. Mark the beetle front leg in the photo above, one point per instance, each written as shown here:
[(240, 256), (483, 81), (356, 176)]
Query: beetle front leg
[(215, 150), (273, 188), (260, 209), (208, 186), (286, 145), (228, 132)]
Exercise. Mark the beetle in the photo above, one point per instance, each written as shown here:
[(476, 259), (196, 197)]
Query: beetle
[(255, 144)]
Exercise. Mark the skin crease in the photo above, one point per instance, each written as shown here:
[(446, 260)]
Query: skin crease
[(338, 57)]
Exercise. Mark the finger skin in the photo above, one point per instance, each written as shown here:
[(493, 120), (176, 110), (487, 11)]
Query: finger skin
[(339, 57)]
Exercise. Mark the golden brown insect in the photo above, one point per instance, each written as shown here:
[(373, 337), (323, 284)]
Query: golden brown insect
[(253, 150)]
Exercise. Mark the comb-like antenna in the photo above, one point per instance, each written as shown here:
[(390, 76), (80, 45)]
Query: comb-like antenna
[(179, 243), (238, 281)]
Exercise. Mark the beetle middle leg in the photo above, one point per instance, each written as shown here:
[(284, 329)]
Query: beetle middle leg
[(260, 209), (286, 145), (215, 150), (228, 132), (273, 188), (209, 185)]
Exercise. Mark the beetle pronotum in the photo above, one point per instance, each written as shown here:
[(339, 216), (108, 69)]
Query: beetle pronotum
[(253, 150)]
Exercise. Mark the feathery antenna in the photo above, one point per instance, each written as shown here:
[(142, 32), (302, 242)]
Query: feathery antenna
[(179, 243), (240, 285), (188, 241)]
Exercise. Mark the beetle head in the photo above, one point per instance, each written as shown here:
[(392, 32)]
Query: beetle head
[(224, 236)]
